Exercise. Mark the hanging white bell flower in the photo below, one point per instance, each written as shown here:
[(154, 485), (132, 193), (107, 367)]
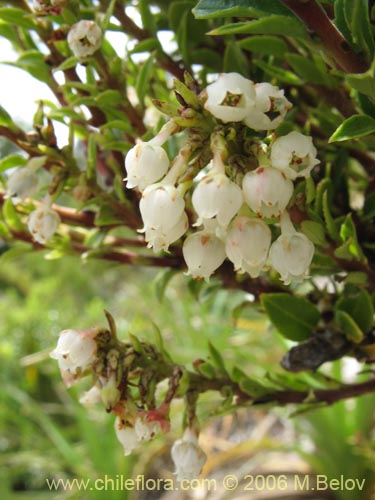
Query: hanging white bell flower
[(291, 254), (127, 436), (75, 352), (91, 397), (203, 252), (230, 98), (159, 239), (216, 196), (294, 154), (247, 245), (84, 38), (270, 108), (162, 211), (267, 191), (23, 182), (145, 164), (188, 457), (144, 430), (43, 222)]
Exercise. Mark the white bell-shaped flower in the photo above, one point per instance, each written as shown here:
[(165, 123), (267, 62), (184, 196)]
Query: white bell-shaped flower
[(145, 164), (91, 397), (291, 254), (247, 244), (159, 238), (188, 457), (270, 108), (294, 154), (230, 98), (144, 430), (216, 196), (127, 436), (75, 352), (84, 38), (23, 182), (43, 222), (203, 252), (162, 211), (267, 191)]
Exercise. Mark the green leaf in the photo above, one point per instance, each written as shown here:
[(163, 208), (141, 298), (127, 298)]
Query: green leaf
[(6, 120), (70, 62), (357, 18), (33, 62), (17, 17), (348, 326), (252, 387), (282, 75), (312, 71), (340, 20), (108, 15), (353, 127), (268, 45), (315, 232), (143, 77), (363, 82), (109, 98), (12, 161), (348, 234), (147, 45), (359, 306), (188, 95), (270, 25), (234, 60), (294, 317), (329, 220), (148, 19), (11, 216), (206, 9), (216, 358)]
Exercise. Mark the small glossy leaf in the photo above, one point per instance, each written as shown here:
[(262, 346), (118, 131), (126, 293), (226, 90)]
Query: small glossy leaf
[(270, 25), (216, 357), (315, 232), (353, 127), (348, 326), (143, 77), (206, 9), (360, 307), (269, 45), (294, 317)]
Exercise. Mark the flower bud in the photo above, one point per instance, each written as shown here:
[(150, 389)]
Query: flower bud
[(75, 351), (216, 196), (291, 254), (84, 38), (187, 456), (267, 191), (203, 252), (270, 108), (230, 98), (127, 436), (43, 223), (247, 245), (145, 164), (294, 154), (110, 395)]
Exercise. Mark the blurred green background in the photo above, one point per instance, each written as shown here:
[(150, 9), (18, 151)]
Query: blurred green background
[(46, 433)]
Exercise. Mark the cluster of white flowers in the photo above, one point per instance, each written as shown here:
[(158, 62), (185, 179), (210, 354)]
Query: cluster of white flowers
[(233, 212), (78, 353)]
